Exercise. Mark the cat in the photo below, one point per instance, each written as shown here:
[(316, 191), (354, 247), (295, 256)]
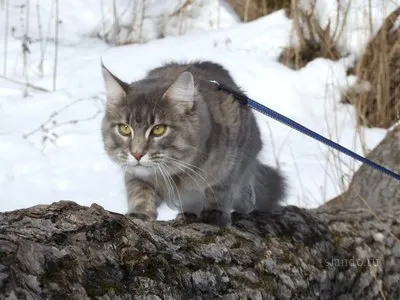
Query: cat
[(182, 141)]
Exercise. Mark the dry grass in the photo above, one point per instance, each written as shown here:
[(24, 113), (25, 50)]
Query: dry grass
[(376, 96), (311, 40), (249, 10), (26, 65)]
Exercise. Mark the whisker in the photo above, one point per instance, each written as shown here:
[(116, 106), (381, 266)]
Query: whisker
[(182, 164), (155, 172), (201, 188), (192, 166), (188, 174), (177, 190), (167, 183)]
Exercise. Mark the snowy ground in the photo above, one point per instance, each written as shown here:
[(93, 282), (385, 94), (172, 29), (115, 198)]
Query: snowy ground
[(47, 156)]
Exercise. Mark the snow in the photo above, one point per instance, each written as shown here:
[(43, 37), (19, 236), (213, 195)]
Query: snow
[(140, 20), (50, 143), (356, 22), (152, 19)]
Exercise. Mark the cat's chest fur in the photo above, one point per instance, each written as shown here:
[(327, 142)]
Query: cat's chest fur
[(177, 185), (185, 193)]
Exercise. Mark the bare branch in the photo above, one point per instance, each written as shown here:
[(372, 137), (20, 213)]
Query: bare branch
[(56, 47), (30, 85)]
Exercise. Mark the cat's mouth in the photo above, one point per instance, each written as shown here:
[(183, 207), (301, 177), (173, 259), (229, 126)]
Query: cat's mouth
[(138, 164), (141, 171), (145, 165), (132, 162), (141, 166)]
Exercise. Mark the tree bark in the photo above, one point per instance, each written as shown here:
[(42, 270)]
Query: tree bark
[(68, 251), (373, 189)]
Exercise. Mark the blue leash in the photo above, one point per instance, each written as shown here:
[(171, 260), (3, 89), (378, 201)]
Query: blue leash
[(244, 100)]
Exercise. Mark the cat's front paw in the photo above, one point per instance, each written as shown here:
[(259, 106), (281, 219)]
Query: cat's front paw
[(216, 217), (140, 216), (187, 218)]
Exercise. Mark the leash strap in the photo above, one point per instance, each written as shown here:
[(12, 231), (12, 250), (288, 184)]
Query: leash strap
[(244, 100)]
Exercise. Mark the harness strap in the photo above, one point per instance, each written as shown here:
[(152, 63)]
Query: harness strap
[(244, 100)]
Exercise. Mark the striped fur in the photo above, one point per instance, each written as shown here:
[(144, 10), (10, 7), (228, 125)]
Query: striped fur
[(205, 164)]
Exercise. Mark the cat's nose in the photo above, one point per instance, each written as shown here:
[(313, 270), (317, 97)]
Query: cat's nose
[(137, 155)]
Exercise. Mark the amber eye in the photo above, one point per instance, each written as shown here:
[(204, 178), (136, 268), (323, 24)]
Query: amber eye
[(158, 130), (124, 129)]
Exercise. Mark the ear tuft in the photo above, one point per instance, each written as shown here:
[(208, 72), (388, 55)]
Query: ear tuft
[(114, 87), (182, 90)]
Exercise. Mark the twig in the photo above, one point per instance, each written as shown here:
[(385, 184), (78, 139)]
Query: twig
[(5, 39), (102, 16), (219, 15), (48, 32), (30, 85), (116, 23), (276, 156), (344, 23), (56, 49), (371, 26), (141, 21), (40, 31), (132, 28), (181, 8), (51, 123), (246, 11), (25, 48)]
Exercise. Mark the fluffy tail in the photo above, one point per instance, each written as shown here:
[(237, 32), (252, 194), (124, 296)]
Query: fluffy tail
[(270, 188)]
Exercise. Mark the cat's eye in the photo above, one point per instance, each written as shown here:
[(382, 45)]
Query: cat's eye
[(158, 130), (124, 129)]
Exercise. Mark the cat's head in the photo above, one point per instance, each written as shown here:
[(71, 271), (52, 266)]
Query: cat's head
[(152, 124)]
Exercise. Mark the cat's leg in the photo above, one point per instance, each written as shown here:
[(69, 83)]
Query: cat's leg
[(238, 193), (244, 199), (192, 203), (270, 188), (243, 193), (218, 206), (142, 199)]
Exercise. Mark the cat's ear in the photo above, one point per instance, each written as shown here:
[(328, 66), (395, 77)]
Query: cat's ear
[(115, 88), (182, 91)]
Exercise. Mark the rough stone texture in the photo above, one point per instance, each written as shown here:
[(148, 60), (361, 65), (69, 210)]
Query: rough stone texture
[(67, 251)]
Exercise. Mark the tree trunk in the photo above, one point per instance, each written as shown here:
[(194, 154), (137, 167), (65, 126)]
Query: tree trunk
[(370, 188), (68, 251)]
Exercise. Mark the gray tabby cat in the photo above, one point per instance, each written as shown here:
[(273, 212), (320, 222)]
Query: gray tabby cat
[(182, 141)]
